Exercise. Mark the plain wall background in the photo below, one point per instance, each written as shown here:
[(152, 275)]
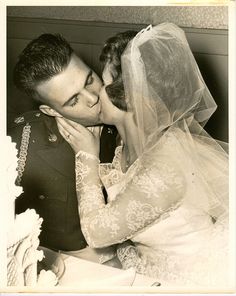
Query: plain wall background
[(210, 17)]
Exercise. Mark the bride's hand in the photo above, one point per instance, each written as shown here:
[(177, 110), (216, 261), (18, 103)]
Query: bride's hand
[(79, 137)]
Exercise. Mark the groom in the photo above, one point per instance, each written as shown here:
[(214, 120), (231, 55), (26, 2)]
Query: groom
[(49, 71)]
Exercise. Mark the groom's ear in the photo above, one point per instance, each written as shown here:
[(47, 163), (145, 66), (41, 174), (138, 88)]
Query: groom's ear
[(49, 111)]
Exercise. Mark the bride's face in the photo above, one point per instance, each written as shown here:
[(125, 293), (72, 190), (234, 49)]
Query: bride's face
[(110, 114), (108, 74)]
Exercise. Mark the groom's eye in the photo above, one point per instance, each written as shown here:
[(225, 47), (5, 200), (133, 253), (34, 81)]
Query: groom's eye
[(74, 101)]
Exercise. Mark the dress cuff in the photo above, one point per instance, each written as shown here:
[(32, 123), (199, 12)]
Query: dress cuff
[(87, 155)]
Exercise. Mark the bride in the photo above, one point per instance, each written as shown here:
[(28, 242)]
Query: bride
[(168, 183)]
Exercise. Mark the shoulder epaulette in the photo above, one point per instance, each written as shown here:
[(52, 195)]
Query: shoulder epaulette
[(27, 117)]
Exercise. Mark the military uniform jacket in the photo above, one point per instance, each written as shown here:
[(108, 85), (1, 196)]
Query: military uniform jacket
[(46, 171)]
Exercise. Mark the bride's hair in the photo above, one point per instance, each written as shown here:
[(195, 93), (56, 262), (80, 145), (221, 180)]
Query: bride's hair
[(111, 53)]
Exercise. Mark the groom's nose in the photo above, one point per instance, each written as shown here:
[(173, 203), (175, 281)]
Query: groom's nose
[(91, 98)]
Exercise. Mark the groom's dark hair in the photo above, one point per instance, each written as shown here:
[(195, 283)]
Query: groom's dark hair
[(43, 58), (112, 52)]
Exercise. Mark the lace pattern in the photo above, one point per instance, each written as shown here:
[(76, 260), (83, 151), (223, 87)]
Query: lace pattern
[(110, 173), (87, 155), (144, 198), (129, 212), (128, 256)]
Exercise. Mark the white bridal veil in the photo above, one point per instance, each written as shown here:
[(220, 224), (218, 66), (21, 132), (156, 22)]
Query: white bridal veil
[(167, 95)]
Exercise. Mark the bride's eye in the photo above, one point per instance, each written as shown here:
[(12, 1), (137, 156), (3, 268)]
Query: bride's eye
[(90, 80)]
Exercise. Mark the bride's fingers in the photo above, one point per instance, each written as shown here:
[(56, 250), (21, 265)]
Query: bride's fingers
[(65, 126), (96, 131), (90, 128), (73, 128), (63, 133), (75, 125)]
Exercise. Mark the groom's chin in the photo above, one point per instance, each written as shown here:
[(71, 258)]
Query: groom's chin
[(100, 119)]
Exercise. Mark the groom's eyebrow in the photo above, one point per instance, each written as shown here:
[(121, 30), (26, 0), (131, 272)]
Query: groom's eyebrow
[(67, 102)]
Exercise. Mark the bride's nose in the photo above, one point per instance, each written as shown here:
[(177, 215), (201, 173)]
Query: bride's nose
[(106, 75), (103, 93)]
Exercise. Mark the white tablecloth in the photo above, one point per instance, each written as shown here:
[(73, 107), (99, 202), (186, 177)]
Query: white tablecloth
[(83, 273)]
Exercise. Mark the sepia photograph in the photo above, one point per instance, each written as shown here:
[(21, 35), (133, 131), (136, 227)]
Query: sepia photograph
[(118, 147)]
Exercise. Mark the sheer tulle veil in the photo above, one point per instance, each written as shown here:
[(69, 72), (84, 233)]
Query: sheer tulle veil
[(167, 94)]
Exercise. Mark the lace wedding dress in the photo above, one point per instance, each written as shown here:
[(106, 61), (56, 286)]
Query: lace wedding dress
[(155, 204), (172, 202)]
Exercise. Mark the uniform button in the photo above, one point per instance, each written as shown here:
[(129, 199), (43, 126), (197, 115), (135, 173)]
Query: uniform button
[(42, 196), (52, 138), (110, 131)]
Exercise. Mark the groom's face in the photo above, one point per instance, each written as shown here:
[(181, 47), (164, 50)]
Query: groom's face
[(73, 93)]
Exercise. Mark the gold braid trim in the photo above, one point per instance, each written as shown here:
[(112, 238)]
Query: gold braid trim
[(23, 152)]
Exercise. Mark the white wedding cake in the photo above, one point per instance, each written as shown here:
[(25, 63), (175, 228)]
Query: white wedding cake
[(22, 234)]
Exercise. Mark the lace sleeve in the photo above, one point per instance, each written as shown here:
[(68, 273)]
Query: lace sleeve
[(148, 194)]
